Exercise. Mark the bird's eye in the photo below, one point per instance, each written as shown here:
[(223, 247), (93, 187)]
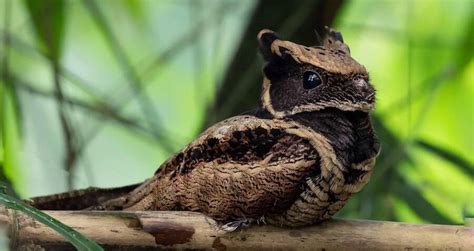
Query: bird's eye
[(311, 79)]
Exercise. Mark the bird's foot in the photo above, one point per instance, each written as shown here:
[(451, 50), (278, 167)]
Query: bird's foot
[(238, 224), (261, 220)]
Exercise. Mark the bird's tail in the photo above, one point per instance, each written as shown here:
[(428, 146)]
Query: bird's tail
[(80, 199)]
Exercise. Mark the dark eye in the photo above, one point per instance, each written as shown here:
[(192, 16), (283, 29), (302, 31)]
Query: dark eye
[(311, 79)]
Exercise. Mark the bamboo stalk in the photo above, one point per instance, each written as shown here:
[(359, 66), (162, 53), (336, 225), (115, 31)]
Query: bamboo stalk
[(188, 230)]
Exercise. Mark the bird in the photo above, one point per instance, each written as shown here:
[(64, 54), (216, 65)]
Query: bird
[(293, 161)]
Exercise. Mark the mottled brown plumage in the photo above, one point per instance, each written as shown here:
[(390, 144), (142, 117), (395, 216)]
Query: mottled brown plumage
[(294, 161)]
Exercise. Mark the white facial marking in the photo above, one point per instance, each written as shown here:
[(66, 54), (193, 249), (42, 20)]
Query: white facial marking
[(361, 83)]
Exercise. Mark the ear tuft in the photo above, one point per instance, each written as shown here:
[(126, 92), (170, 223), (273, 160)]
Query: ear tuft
[(334, 35), (265, 39), (334, 40)]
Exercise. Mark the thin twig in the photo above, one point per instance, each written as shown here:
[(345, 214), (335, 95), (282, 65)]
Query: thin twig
[(146, 105), (98, 109), (67, 127), (101, 103), (149, 70), (46, 32)]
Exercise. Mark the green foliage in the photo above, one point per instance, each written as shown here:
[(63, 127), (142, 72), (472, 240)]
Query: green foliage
[(48, 20), (10, 136), (9, 120)]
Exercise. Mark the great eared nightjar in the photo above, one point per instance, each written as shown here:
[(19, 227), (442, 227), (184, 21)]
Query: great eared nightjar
[(293, 161)]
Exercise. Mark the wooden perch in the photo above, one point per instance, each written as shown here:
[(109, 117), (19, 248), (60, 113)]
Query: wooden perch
[(189, 230)]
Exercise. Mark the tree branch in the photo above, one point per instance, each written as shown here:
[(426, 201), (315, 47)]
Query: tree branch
[(189, 230)]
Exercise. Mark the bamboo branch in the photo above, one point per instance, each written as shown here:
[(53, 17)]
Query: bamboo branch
[(189, 230)]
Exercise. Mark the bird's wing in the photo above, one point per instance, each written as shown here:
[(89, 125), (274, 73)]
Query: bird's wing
[(243, 167)]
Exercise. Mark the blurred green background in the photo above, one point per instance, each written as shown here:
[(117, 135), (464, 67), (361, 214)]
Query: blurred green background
[(99, 93)]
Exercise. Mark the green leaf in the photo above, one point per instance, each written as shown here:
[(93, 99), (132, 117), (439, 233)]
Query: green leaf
[(466, 53), (10, 135), (449, 156), (2, 153), (420, 205), (76, 238), (48, 22), (134, 7)]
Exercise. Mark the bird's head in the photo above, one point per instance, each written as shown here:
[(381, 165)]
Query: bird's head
[(299, 78)]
